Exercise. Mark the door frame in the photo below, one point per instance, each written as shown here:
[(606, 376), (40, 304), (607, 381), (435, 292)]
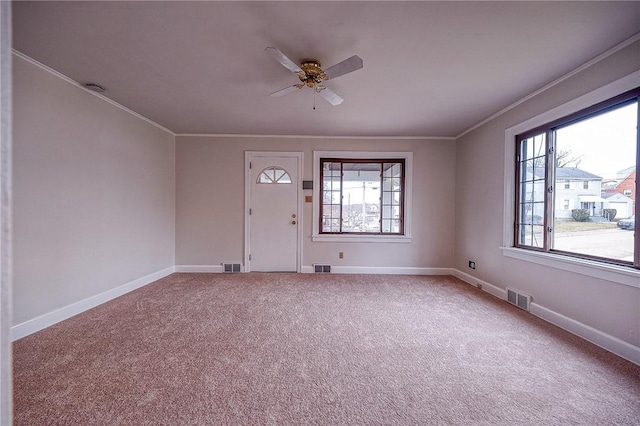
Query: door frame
[(248, 155)]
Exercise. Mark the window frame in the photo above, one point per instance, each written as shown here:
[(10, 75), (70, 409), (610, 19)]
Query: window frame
[(589, 267), (363, 156), (381, 162), (549, 129)]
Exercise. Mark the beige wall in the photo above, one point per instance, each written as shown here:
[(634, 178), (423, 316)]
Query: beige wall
[(102, 198), (606, 306), (210, 202), (94, 194)]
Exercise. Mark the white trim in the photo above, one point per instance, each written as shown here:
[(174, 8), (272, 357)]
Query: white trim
[(46, 320), (408, 191), (599, 338), (566, 76), (346, 238), (477, 282), (592, 268), (6, 203), (590, 334), (75, 83), (383, 270), (256, 136), (605, 341), (248, 155), (206, 269)]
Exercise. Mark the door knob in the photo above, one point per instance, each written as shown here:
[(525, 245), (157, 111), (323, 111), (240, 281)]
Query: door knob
[(293, 222)]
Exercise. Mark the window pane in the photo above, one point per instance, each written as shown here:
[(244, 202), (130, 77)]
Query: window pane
[(531, 192), (274, 175), (361, 200), (392, 177), (531, 235), (600, 154), (362, 196), (390, 225)]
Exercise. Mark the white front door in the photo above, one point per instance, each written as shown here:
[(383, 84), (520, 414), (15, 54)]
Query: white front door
[(273, 221)]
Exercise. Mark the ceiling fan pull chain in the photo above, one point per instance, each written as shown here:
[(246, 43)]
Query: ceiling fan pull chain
[(314, 100)]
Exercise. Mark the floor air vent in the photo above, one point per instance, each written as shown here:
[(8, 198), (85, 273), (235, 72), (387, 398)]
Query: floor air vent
[(321, 268), (520, 300), (231, 267)]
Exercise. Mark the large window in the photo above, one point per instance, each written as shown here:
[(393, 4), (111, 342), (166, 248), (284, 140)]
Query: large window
[(362, 196), (595, 219)]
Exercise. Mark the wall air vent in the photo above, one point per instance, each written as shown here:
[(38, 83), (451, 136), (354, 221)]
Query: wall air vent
[(518, 299), (321, 268), (230, 267)]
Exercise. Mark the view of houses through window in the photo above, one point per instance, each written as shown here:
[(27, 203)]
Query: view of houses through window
[(577, 184), (362, 196)]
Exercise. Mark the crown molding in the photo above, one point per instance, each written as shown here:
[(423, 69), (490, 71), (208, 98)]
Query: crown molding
[(250, 136), (566, 76), (71, 81)]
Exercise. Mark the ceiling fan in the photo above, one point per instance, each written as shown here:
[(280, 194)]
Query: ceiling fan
[(311, 74)]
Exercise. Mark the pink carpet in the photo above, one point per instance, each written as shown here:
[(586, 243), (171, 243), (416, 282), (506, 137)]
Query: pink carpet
[(316, 349)]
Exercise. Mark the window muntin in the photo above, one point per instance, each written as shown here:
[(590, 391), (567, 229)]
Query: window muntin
[(531, 193), (362, 196), (273, 175), (597, 147)]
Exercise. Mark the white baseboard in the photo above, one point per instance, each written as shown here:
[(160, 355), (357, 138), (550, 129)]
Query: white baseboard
[(597, 337), (476, 282), (382, 270), (43, 321), (605, 341), (206, 269)]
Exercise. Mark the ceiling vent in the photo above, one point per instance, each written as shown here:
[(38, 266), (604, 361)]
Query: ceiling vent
[(95, 87)]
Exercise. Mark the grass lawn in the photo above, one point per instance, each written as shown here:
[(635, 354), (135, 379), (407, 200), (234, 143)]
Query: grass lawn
[(573, 226)]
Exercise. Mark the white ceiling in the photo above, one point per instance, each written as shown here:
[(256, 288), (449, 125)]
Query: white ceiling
[(430, 68)]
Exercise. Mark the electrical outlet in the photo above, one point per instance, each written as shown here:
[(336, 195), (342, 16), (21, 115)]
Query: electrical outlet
[(472, 264), (341, 255)]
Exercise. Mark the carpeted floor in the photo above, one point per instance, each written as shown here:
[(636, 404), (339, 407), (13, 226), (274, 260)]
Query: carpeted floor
[(302, 349)]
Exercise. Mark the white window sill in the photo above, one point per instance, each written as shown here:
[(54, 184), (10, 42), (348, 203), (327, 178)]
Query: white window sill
[(345, 238), (614, 273)]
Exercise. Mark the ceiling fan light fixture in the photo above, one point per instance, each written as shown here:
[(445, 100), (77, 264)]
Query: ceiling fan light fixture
[(311, 74)]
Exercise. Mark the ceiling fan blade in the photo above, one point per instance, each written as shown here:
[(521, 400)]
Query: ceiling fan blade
[(286, 90), (344, 67), (331, 96), (280, 57)]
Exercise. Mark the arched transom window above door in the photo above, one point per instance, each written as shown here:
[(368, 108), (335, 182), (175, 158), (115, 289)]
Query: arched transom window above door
[(274, 175)]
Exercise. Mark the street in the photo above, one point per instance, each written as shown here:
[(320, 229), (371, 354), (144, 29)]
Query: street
[(609, 243)]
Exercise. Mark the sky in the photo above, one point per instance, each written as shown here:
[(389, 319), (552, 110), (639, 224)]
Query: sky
[(607, 142)]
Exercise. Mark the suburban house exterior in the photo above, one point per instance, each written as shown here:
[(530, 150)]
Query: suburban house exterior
[(621, 192), (578, 189), (622, 204)]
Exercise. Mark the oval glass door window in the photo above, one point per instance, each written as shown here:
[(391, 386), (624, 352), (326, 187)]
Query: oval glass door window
[(275, 175)]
